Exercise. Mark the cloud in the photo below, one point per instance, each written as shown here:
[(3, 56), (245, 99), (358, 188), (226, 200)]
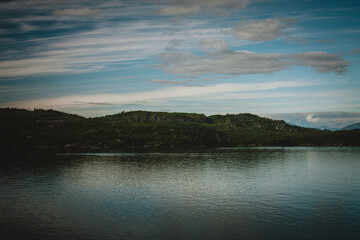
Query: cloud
[(321, 61), (94, 103), (166, 93), (77, 12), (324, 40), (193, 7), (216, 44), (230, 62), (355, 51), (174, 44), (261, 30), (334, 120), (310, 118), (108, 48), (295, 39), (166, 82)]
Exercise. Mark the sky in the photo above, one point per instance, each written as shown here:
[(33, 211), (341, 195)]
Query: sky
[(297, 60)]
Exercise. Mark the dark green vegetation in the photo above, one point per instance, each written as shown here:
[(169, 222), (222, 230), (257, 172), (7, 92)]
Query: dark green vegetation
[(352, 126), (49, 128)]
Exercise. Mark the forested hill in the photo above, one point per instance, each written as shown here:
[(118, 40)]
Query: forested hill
[(54, 129), (244, 121)]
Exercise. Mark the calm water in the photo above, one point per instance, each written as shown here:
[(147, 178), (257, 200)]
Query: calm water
[(232, 193)]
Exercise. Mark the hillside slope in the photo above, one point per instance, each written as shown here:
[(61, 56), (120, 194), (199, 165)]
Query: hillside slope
[(54, 129)]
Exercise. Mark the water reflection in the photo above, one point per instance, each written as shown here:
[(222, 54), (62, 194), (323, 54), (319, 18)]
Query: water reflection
[(249, 193)]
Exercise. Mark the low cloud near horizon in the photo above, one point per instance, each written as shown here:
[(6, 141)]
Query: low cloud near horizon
[(335, 120)]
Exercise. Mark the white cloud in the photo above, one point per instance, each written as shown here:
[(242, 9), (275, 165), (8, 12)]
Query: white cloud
[(310, 118), (261, 30)]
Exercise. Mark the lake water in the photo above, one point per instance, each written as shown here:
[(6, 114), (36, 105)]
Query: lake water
[(227, 193)]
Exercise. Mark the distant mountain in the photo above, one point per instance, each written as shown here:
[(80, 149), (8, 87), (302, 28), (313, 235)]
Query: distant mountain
[(352, 126), (141, 129), (322, 120), (323, 127)]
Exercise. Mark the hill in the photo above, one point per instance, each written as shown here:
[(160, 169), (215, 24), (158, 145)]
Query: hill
[(352, 126), (54, 129)]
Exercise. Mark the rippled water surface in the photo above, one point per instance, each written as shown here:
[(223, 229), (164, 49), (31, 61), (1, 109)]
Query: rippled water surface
[(230, 193)]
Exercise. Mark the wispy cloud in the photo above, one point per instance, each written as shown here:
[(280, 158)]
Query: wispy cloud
[(192, 7), (166, 82), (231, 62), (174, 44), (262, 30), (100, 50), (76, 12), (355, 51), (324, 40), (163, 93), (321, 61), (214, 44)]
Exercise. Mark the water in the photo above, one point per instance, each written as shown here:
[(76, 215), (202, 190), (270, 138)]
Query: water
[(229, 193)]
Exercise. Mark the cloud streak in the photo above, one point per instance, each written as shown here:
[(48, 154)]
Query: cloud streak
[(232, 62), (100, 50), (163, 93), (81, 12), (166, 82), (193, 7)]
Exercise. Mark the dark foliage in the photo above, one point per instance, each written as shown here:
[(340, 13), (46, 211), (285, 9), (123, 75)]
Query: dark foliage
[(54, 129)]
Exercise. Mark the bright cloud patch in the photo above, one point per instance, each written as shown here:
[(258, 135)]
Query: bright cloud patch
[(311, 118)]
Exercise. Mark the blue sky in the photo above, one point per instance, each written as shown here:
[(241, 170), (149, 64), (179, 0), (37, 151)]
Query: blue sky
[(295, 60)]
